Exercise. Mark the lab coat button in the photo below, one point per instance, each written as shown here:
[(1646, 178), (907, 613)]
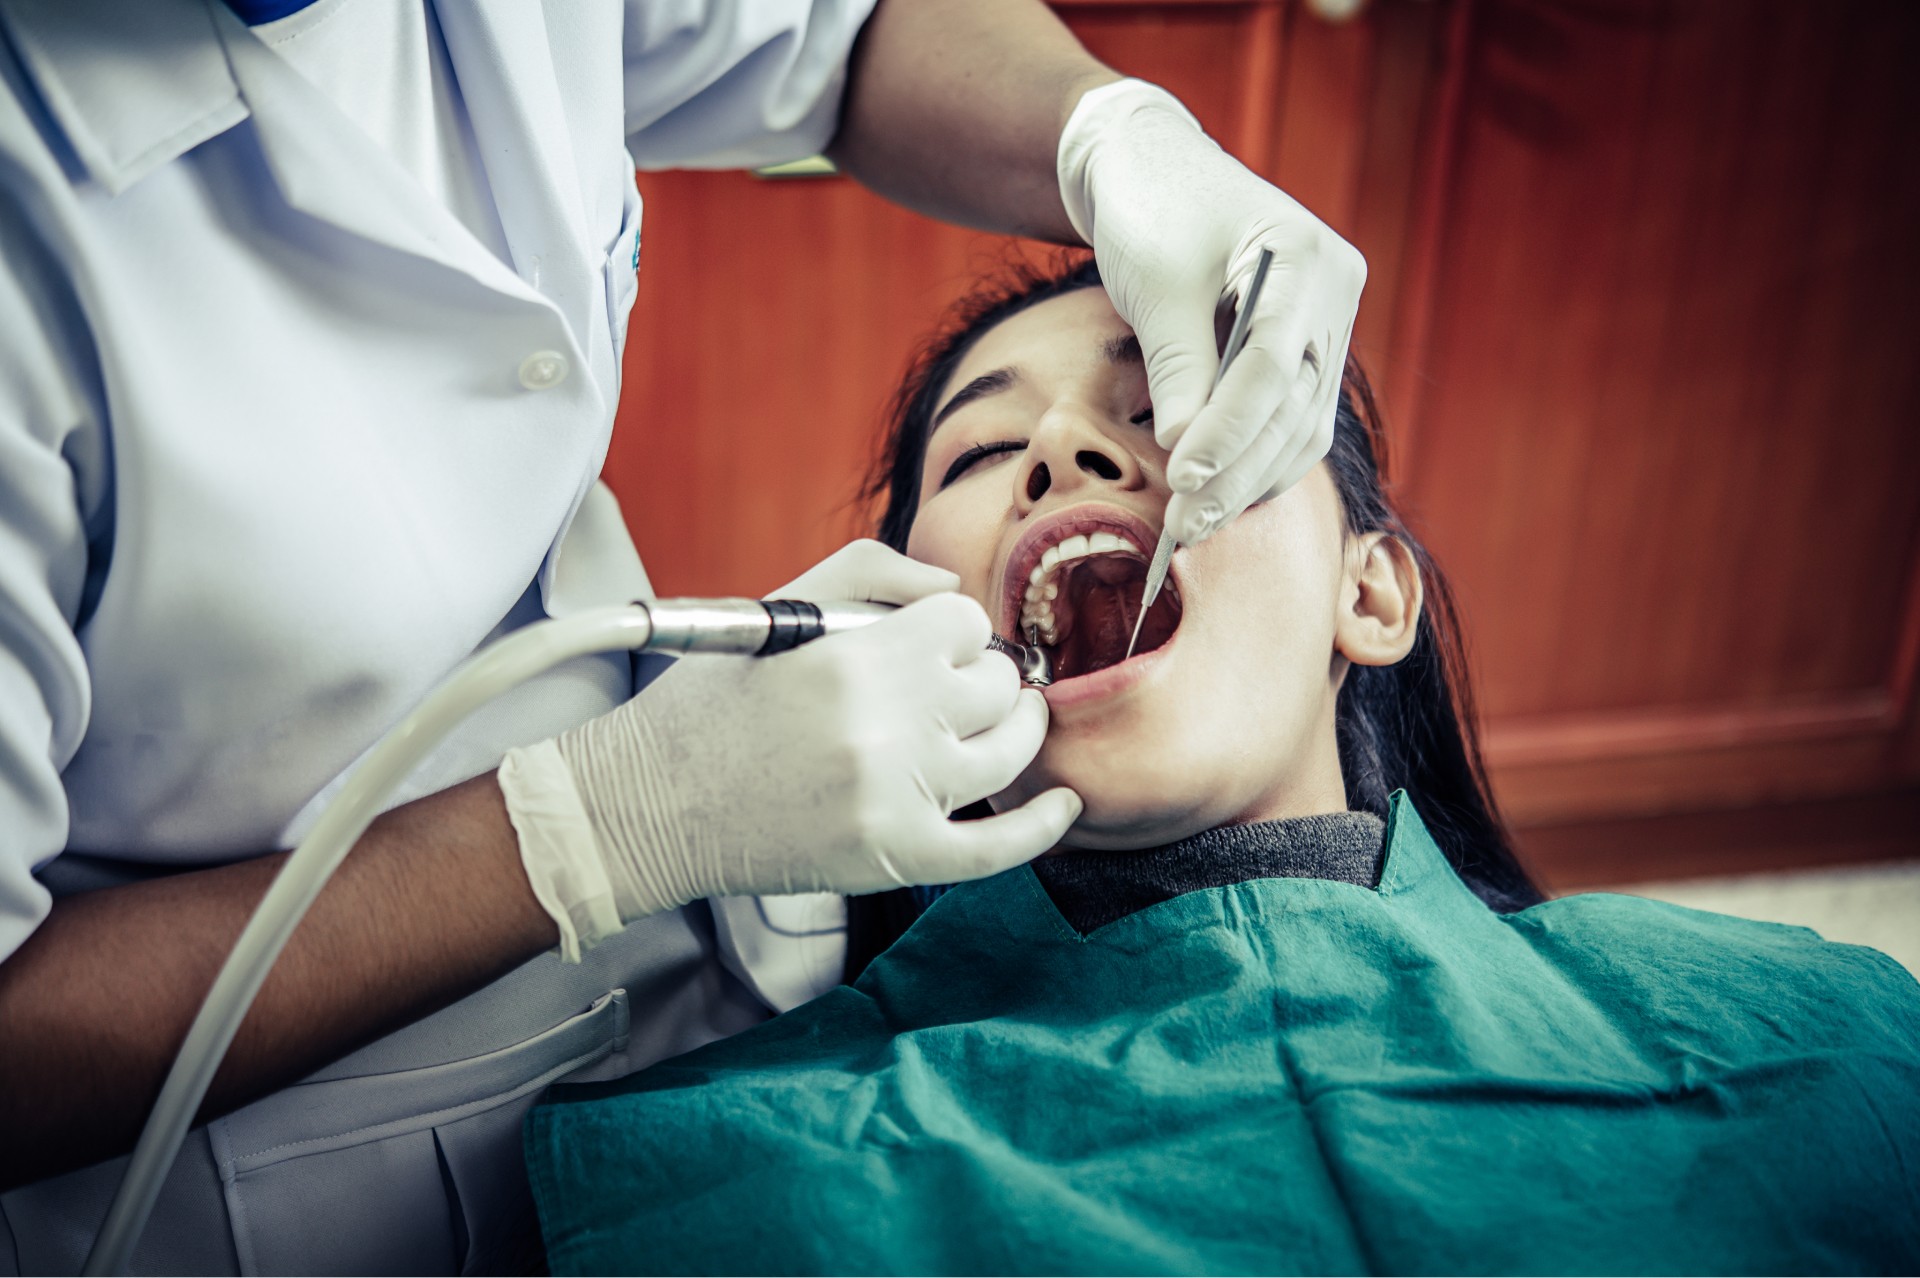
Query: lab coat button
[(543, 370)]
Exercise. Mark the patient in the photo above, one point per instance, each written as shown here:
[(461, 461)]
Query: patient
[(1317, 667), (1283, 1000)]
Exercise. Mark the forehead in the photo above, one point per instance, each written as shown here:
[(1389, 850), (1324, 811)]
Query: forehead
[(1050, 336)]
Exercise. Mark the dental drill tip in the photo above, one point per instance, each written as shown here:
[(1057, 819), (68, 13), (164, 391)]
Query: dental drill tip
[(1030, 659)]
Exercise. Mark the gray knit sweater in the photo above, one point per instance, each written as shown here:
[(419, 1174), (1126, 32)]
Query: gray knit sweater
[(1092, 889)]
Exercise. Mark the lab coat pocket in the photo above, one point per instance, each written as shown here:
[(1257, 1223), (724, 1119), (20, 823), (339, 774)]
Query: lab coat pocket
[(425, 1163), (623, 274)]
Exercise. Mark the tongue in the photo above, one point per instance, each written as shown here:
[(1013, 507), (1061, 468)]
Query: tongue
[(1102, 624), (1105, 597), (1113, 570)]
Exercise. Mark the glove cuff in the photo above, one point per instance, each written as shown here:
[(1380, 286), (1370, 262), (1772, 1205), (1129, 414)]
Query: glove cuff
[(557, 847), (1100, 114)]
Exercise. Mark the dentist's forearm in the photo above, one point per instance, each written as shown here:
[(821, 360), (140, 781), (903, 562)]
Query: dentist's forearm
[(431, 905), (954, 108)]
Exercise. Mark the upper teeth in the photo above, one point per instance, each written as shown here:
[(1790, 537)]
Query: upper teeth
[(1036, 613)]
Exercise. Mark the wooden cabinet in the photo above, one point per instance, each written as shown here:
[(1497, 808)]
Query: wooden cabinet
[(1643, 287)]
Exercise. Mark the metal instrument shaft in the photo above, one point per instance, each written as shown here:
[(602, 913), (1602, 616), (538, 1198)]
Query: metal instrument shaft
[(1236, 338)]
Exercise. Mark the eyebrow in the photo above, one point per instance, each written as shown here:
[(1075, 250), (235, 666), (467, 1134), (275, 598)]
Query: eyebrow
[(979, 388), (1124, 349)]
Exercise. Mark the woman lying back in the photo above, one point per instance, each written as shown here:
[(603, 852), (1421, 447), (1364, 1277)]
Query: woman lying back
[(1283, 1000)]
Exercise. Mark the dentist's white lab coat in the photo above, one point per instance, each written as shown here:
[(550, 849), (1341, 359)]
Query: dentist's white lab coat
[(280, 444)]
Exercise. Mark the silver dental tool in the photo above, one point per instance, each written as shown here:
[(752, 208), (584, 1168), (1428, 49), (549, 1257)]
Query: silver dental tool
[(752, 627), (762, 627), (1236, 338)]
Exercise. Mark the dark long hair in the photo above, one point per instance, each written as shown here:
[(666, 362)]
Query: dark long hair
[(1408, 726)]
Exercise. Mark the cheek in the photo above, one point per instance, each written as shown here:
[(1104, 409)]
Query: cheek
[(1272, 580), (958, 530), (1255, 689)]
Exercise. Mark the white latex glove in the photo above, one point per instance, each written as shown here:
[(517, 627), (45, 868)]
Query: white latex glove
[(833, 767), (1176, 224)]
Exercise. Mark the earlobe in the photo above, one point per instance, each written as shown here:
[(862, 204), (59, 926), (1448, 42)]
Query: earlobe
[(1383, 595)]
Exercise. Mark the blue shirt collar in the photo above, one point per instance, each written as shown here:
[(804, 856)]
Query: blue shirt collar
[(255, 12)]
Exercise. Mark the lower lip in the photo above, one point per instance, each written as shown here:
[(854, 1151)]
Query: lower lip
[(1110, 682)]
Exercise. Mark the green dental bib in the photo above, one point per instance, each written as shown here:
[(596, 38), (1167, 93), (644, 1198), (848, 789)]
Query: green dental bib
[(1282, 1075)]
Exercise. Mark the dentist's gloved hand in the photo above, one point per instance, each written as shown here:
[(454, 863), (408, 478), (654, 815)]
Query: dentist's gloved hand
[(833, 767), (1175, 224)]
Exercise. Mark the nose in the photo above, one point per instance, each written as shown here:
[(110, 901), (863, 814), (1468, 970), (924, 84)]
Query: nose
[(1069, 451)]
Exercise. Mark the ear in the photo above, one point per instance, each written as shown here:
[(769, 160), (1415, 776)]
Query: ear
[(1380, 601)]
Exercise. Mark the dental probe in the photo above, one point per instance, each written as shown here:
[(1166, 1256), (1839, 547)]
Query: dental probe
[(746, 626), (1236, 338)]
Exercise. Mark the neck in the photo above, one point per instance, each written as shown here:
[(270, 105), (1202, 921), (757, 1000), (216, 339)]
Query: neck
[(1311, 786)]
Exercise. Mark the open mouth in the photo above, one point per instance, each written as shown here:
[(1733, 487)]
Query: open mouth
[(1082, 600)]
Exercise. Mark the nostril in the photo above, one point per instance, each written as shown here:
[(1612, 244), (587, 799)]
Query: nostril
[(1038, 481), (1095, 463)]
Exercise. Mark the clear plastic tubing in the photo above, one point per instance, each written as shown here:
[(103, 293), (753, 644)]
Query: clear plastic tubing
[(502, 666)]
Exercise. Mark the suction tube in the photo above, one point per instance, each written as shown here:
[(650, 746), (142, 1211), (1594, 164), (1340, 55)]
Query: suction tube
[(744, 626), (506, 664)]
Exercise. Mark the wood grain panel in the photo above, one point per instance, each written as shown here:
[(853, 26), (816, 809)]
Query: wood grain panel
[(1665, 436), (1821, 832), (772, 319), (1643, 291)]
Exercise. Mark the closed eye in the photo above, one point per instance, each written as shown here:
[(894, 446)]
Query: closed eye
[(966, 461), (1142, 417)]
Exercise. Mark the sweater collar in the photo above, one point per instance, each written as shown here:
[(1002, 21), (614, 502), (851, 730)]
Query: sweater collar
[(1093, 889)]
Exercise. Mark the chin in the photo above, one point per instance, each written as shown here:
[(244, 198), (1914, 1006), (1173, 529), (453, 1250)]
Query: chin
[(1127, 833), (1129, 803)]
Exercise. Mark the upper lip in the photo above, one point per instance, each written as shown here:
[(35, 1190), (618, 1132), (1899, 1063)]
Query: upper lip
[(1050, 530)]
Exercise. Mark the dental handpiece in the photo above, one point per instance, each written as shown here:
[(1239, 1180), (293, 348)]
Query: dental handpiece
[(749, 626), (762, 627)]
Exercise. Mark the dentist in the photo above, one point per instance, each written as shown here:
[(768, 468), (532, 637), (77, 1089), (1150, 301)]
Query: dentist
[(310, 329)]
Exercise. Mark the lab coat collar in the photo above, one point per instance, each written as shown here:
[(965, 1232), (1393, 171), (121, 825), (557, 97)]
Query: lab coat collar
[(133, 87), (130, 86), (341, 176), (510, 84)]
